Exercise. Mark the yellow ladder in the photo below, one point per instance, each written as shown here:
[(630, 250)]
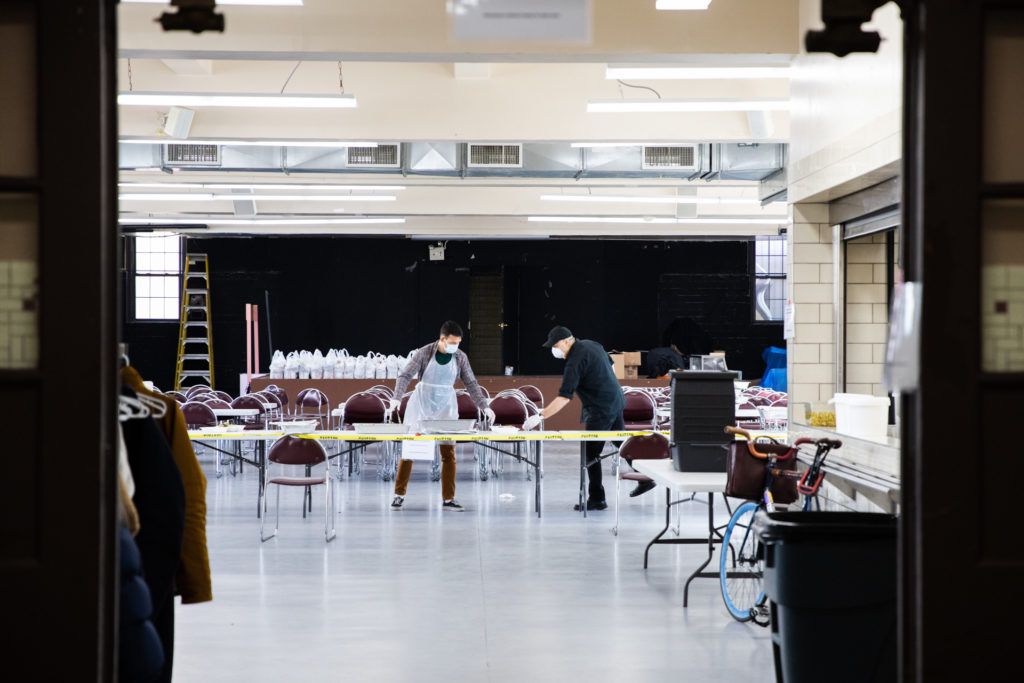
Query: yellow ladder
[(195, 330)]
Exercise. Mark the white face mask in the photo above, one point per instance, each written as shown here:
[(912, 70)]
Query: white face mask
[(557, 352), (451, 348)]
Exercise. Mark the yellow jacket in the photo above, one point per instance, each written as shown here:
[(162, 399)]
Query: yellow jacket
[(193, 582)]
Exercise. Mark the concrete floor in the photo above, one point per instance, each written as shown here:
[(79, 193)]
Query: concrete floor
[(492, 594)]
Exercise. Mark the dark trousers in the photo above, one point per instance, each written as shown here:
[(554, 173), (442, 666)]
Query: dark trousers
[(593, 450)]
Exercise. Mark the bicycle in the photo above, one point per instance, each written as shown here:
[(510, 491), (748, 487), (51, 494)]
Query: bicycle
[(742, 582)]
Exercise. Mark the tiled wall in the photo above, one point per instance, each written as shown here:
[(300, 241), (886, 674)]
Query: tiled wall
[(811, 364), (19, 330), (867, 314), (1003, 318)]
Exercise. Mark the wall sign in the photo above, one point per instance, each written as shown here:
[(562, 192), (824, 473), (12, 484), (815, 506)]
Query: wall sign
[(567, 21)]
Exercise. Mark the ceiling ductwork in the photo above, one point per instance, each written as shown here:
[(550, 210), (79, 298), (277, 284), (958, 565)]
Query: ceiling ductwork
[(714, 161)]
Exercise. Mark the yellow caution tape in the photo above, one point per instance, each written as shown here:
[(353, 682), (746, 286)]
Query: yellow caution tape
[(479, 436)]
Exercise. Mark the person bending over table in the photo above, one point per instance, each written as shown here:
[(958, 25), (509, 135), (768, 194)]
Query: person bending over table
[(588, 373), (438, 365)]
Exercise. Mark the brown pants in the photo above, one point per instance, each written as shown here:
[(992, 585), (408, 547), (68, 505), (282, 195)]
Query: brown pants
[(447, 473)]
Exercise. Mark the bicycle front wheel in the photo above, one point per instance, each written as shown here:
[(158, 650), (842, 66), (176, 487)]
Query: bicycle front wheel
[(741, 565)]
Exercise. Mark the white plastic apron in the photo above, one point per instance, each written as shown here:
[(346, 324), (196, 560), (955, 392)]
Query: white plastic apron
[(434, 396)]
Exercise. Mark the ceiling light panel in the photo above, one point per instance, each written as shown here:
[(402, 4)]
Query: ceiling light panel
[(667, 106), (656, 220), (691, 199), (255, 101), (198, 197), (695, 73), (250, 3), (212, 220), (247, 143), (256, 187), (682, 4)]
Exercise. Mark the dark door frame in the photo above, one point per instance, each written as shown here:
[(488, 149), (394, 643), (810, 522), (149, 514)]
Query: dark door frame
[(959, 591), (60, 591)]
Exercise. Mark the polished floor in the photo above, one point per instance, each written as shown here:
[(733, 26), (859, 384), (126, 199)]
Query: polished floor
[(491, 594)]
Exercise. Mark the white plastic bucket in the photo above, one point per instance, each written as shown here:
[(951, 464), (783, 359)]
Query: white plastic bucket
[(862, 416)]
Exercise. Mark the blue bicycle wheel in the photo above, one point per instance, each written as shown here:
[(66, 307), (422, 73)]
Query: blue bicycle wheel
[(741, 565)]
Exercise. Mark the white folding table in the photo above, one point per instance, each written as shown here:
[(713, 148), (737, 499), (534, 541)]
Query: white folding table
[(663, 473)]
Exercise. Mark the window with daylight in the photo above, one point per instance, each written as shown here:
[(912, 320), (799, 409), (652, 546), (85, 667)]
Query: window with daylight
[(769, 278), (156, 277)]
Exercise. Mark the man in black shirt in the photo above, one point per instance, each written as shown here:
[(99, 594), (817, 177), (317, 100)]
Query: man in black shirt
[(588, 373)]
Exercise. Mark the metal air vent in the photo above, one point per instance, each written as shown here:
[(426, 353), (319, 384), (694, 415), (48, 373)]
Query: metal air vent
[(191, 155), (677, 156), (379, 156), (496, 156)]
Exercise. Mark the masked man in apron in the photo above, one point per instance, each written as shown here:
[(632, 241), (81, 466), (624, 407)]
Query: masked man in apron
[(437, 365)]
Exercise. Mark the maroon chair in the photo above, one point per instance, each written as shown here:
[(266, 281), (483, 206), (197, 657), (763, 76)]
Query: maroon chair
[(640, 411), (177, 396), (198, 414), (202, 396), (281, 394), (196, 389), (250, 402), (307, 453), (509, 411), (275, 412), (534, 394), (224, 396), (467, 409), (216, 404), (364, 407), (367, 408), (651, 446), (313, 403)]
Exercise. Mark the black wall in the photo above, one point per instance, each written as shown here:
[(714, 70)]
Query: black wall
[(385, 295)]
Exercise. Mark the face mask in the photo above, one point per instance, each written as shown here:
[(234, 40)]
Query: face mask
[(557, 352), (451, 348)]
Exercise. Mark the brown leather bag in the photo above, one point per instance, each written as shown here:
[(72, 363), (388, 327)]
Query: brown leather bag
[(744, 474)]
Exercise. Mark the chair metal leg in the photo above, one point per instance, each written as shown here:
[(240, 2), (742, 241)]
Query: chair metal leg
[(618, 486), (330, 530), (263, 517)]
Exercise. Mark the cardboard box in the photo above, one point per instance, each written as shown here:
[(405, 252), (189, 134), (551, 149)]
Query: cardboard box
[(632, 372), (632, 358), (618, 364)]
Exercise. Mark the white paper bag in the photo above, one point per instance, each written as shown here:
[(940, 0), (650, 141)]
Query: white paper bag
[(418, 450)]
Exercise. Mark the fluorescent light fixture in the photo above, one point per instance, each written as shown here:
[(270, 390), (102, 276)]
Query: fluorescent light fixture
[(587, 145), (257, 187), (264, 101), (657, 220), (661, 106), (210, 220), (246, 143), (694, 73), (685, 199), (200, 197), (682, 4), (253, 3)]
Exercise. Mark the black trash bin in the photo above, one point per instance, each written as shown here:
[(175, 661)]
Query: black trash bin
[(831, 581)]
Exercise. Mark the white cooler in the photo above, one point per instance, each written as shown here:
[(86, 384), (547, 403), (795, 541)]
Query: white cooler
[(862, 416)]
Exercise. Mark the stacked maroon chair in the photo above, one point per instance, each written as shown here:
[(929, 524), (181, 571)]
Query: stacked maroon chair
[(640, 410), (652, 446), (281, 394), (306, 453), (223, 395), (216, 403), (198, 414), (250, 402), (370, 408), (177, 396), (197, 389), (510, 410), (533, 394)]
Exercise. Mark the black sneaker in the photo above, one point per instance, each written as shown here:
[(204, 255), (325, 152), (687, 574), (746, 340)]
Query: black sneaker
[(592, 505), (396, 504), (642, 488), (452, 505)]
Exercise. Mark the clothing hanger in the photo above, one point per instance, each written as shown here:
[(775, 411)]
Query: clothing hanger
[(129, 408), (156, 407)]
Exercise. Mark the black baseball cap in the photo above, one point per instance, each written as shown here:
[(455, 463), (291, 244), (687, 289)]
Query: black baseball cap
[(557, 334)]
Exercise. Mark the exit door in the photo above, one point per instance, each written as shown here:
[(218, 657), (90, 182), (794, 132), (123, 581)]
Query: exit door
[(486, 322)]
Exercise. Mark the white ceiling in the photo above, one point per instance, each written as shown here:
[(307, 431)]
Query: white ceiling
[(413, 83)]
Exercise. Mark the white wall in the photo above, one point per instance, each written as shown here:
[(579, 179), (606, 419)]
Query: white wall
[(845, 116)]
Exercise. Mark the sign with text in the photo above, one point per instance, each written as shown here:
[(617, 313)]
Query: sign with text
[(567, 21)]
